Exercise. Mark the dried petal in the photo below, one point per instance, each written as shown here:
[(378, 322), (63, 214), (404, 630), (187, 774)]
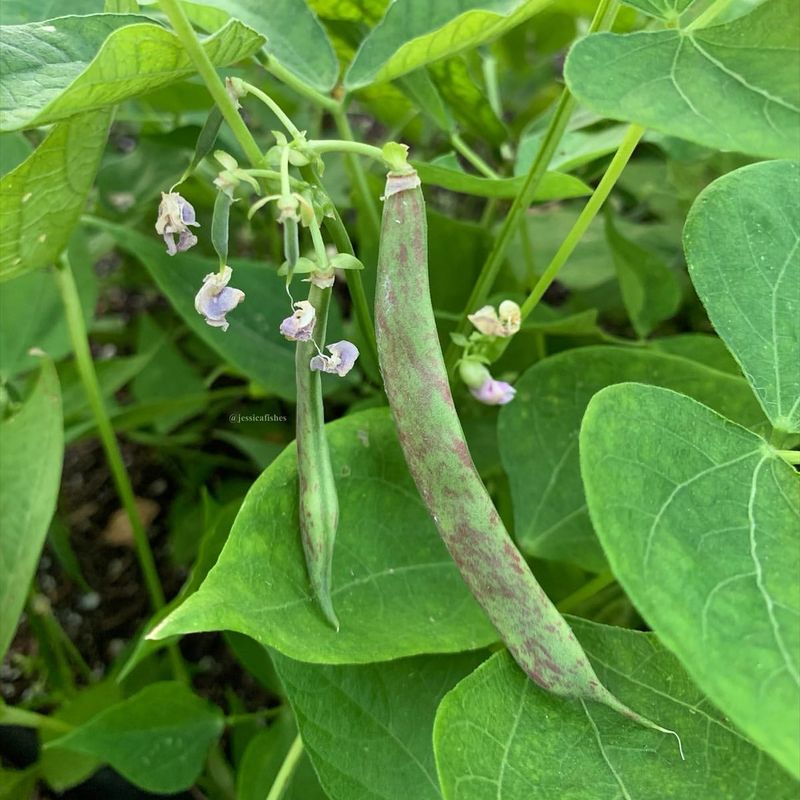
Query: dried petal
[(488, 322), (340, 362), (175, 214), (215, 298), (510, 317), (300, 326), (324, 280)]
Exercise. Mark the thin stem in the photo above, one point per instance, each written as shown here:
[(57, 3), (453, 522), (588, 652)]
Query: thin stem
[(12, 715), (346, 146), (357, 173), (355, 286), (615, 168), (472, 156), (293, 82), (790, 456), (183, 28), (709, 15), (273, 107), (604, 16), (85, 364), (589, 589), (285, 773)]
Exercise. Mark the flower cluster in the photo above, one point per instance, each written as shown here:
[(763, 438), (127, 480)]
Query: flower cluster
[(485, 345)]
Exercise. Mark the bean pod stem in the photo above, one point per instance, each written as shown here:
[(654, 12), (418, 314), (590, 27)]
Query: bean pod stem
[(435, 449)]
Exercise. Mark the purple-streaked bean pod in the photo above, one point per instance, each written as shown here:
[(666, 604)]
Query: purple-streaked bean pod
[(435, 449)]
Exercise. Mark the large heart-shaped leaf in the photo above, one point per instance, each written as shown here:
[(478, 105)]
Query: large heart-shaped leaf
[(742, 242), (732, 87), (55, 69), (538, 437), (158, 739), (294, 36), (699, 520), (31, 452), (252, 344), (385, 709), (42, 199), (16, 12), (417, 32), (497, 735), (397, 591)]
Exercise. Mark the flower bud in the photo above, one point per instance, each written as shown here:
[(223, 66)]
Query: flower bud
[(215, 298), (473, 373), (494, 393), (340, 362), (300, 326), (175, 215)]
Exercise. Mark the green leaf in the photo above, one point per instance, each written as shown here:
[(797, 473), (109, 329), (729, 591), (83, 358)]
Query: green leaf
[(698, 518), (731, 87), (73, 64), (32, 316), (369, 11), (417, 32), (16, 12), (661, 9), (252, 344), (396, 589), (467, 99), (538, 437), (497, 735), (554, 185), (42, 199), (700, 347), (294, 36), (62, 768), (743, 249), (30, 475), (649, 287), (387, 709), (157, 739)]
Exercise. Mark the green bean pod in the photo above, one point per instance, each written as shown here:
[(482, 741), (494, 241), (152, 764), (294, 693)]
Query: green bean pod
[(435, 449), (318, 501)]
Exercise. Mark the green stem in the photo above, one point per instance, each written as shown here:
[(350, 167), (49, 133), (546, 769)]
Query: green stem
[(604, 16), (790, 456), (615, 168), (589, 589), (252, 716), (273, 107), (472, 156), (12, 715), (85, 364), (708, 16), (357, 173), (293, 82), (346, 146), (285, 773), (183, 28)]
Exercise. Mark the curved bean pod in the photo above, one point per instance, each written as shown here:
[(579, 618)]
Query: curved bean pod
[(435, 449)]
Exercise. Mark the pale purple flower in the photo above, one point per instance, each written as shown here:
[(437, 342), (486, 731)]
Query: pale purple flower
[(300, 326), (494, 393), (175, 215), (340, 362), (215, 298)]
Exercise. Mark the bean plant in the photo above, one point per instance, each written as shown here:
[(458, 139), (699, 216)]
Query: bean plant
[(400, 399)]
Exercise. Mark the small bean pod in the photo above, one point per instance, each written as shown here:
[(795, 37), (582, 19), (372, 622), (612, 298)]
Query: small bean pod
[(435, 449)]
